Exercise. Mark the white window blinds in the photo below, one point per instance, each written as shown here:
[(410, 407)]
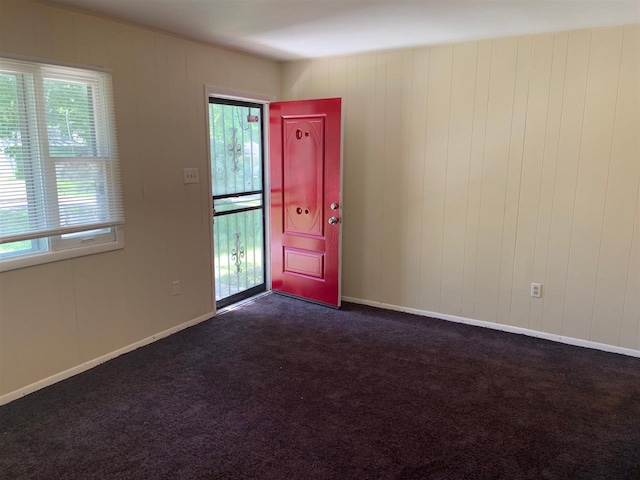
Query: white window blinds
[(59, 168)]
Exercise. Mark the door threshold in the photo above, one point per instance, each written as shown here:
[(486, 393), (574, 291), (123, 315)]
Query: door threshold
[(242, 303)]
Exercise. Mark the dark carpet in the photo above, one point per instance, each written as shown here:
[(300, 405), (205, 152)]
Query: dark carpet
[(283, 389)]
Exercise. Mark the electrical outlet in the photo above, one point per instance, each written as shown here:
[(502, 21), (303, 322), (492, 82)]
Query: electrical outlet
[(536, 290), (191, 175), (176, 287)]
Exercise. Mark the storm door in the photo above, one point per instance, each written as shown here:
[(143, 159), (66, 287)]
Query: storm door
[(238, 199)]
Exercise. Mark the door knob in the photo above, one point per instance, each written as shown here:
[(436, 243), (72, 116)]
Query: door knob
[(333, 220), (334, 206)]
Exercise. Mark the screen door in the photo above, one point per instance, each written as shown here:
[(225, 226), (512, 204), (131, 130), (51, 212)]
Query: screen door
[(238, 199)]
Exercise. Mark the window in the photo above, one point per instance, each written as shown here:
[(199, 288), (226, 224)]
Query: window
[(60, 194)]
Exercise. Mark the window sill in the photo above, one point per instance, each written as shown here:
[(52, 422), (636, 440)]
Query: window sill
[(55, 256)]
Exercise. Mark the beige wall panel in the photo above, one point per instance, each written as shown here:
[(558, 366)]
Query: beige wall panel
[(370, 171), (394, 174), (43, 30), (123, 63), (197, 289), (595, 153), (192, 251), (100, 304), (3, 15), (494, 176), (352, 155), (630, 330), (404, 158), (63, 33), (437, 141), (519, 117), (476, 167), (621, 191), (155, 174), (551, 141), (17, 28), (306, 86), (372, 166), (413, 188), (529, 183), (337, 77), (182, 253), (320, 78), (566, 176), (13, 316), (297, 76), (92, 41), (362, 184), (42, 317), (463, 83)]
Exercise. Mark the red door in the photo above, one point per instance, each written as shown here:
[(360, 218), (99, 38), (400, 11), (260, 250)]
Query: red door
[(304, 147)]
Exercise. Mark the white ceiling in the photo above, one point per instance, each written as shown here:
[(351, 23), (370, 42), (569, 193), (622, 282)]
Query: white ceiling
[(290, 29)]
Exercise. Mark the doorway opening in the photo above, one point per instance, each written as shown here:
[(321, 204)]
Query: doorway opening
[(238, 196)]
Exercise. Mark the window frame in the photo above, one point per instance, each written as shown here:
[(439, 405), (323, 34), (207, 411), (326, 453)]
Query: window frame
[(33, 116)]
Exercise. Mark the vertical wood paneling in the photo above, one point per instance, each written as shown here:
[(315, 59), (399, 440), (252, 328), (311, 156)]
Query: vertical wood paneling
[(593, 172), (396, 173), (566, 177), (100, 304), (413, 188), (494, 177), (352, 152), (374, 163), (463, 84), (631, 314), (63, 34), (393, 172), (43, 31), (621, 191), (519, 117), (320, 78), (476, 167), (630, 329), (17, 28), (437, 142), (405, 159), (552, 138), (518, 168), (630, 79), (337, 81), (369, 243), (529, 181)]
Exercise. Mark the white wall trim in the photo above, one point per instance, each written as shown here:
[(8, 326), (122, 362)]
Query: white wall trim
[(497, 326), (83, 367)]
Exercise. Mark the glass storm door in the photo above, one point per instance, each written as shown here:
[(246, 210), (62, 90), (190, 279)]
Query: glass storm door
[(238, 199)]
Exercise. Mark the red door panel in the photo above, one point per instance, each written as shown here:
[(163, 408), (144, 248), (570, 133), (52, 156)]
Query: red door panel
[(303, 182), (304, 145)]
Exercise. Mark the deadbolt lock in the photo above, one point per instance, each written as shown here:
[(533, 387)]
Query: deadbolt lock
[(333, 220), (334, 206)]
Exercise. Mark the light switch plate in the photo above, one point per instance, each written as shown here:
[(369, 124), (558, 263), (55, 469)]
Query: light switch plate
[(191, 175)]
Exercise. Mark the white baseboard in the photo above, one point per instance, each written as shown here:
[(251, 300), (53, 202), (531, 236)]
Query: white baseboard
[(497, 326), (21, 392)]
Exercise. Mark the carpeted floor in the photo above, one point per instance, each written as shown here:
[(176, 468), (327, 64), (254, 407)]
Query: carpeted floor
[(283, 389)]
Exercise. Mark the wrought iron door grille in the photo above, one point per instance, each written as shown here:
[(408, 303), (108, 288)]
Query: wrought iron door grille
[(238, 199)]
